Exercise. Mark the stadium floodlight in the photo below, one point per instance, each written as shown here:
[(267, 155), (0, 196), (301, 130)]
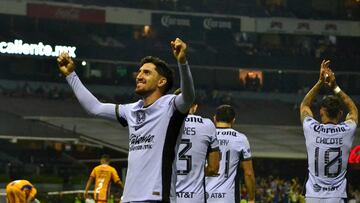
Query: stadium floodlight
[(18, 47)]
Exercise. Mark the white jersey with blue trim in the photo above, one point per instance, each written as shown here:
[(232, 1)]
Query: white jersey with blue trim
[(198, 137), (234, 147), (153, 144), (328, 147)]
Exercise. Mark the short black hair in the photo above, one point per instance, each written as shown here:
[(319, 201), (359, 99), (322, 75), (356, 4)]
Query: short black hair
[(225, 113), (105, 157), (162, 68), (332, 105)]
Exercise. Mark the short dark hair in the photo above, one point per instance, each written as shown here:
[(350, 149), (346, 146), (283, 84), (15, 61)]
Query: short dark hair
[(162, 68), (225, 113), (332, 105), (105, 157)]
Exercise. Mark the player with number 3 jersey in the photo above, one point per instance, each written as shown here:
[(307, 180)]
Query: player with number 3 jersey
[(328, 142), (198, 144)]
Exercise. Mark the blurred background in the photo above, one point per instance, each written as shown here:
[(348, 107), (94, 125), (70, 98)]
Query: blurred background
[(261, 56)]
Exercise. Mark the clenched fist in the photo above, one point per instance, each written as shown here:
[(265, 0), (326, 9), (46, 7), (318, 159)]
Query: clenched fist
[(65, 63), (179, 50)]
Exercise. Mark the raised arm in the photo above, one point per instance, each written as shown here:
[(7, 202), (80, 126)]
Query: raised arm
[(184, 100), (88, 101), (348, 102), (305, 107)]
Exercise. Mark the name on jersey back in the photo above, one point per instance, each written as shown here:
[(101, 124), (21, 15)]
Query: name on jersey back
[(329, 130), (225, 142), (192, 130)]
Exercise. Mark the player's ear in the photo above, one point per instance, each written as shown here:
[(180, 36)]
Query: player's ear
[(214, 119), (233, 121), (162, 82)]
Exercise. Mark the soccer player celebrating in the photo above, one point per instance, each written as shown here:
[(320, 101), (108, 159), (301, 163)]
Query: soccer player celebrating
[(103, 175), (154, 123), (20, 191), (235, 151), (198, 139), (328, 142)]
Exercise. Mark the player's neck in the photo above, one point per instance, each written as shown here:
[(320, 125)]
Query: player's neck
[(330, 121), (223, 125), (151, 98)]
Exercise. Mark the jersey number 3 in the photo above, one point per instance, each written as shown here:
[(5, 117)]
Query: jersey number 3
[(184, 157)]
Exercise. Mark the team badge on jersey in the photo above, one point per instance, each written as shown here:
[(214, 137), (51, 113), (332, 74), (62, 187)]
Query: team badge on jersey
[(140, 117), (317, 188)]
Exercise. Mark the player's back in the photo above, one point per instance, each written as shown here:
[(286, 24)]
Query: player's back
[(103, 175), (19, 190), (21, 184), (234, 147), (328, 147), (199, 135)]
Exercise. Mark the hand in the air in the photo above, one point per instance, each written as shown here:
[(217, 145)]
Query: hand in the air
[(65, 63), (179, 50)]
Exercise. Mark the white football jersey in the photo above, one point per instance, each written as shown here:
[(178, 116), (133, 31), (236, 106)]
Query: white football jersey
[(153, 144), (198, 137), (234, 147), (328, 147)]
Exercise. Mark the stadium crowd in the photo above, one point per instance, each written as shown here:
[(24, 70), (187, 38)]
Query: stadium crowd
[(278, 190)]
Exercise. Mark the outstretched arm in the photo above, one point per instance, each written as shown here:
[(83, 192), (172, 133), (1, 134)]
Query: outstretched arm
[(305, 107), (184, 100), (348, 102), (88, 101)]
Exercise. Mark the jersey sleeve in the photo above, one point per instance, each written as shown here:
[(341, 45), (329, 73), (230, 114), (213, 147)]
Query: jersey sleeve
[(121, 112), (33, 192), (88, 101), (351, 125), (114, 175), (170, 100), (93, 173), (214, 143), (186, 98), (308, 125), (245, 149)]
